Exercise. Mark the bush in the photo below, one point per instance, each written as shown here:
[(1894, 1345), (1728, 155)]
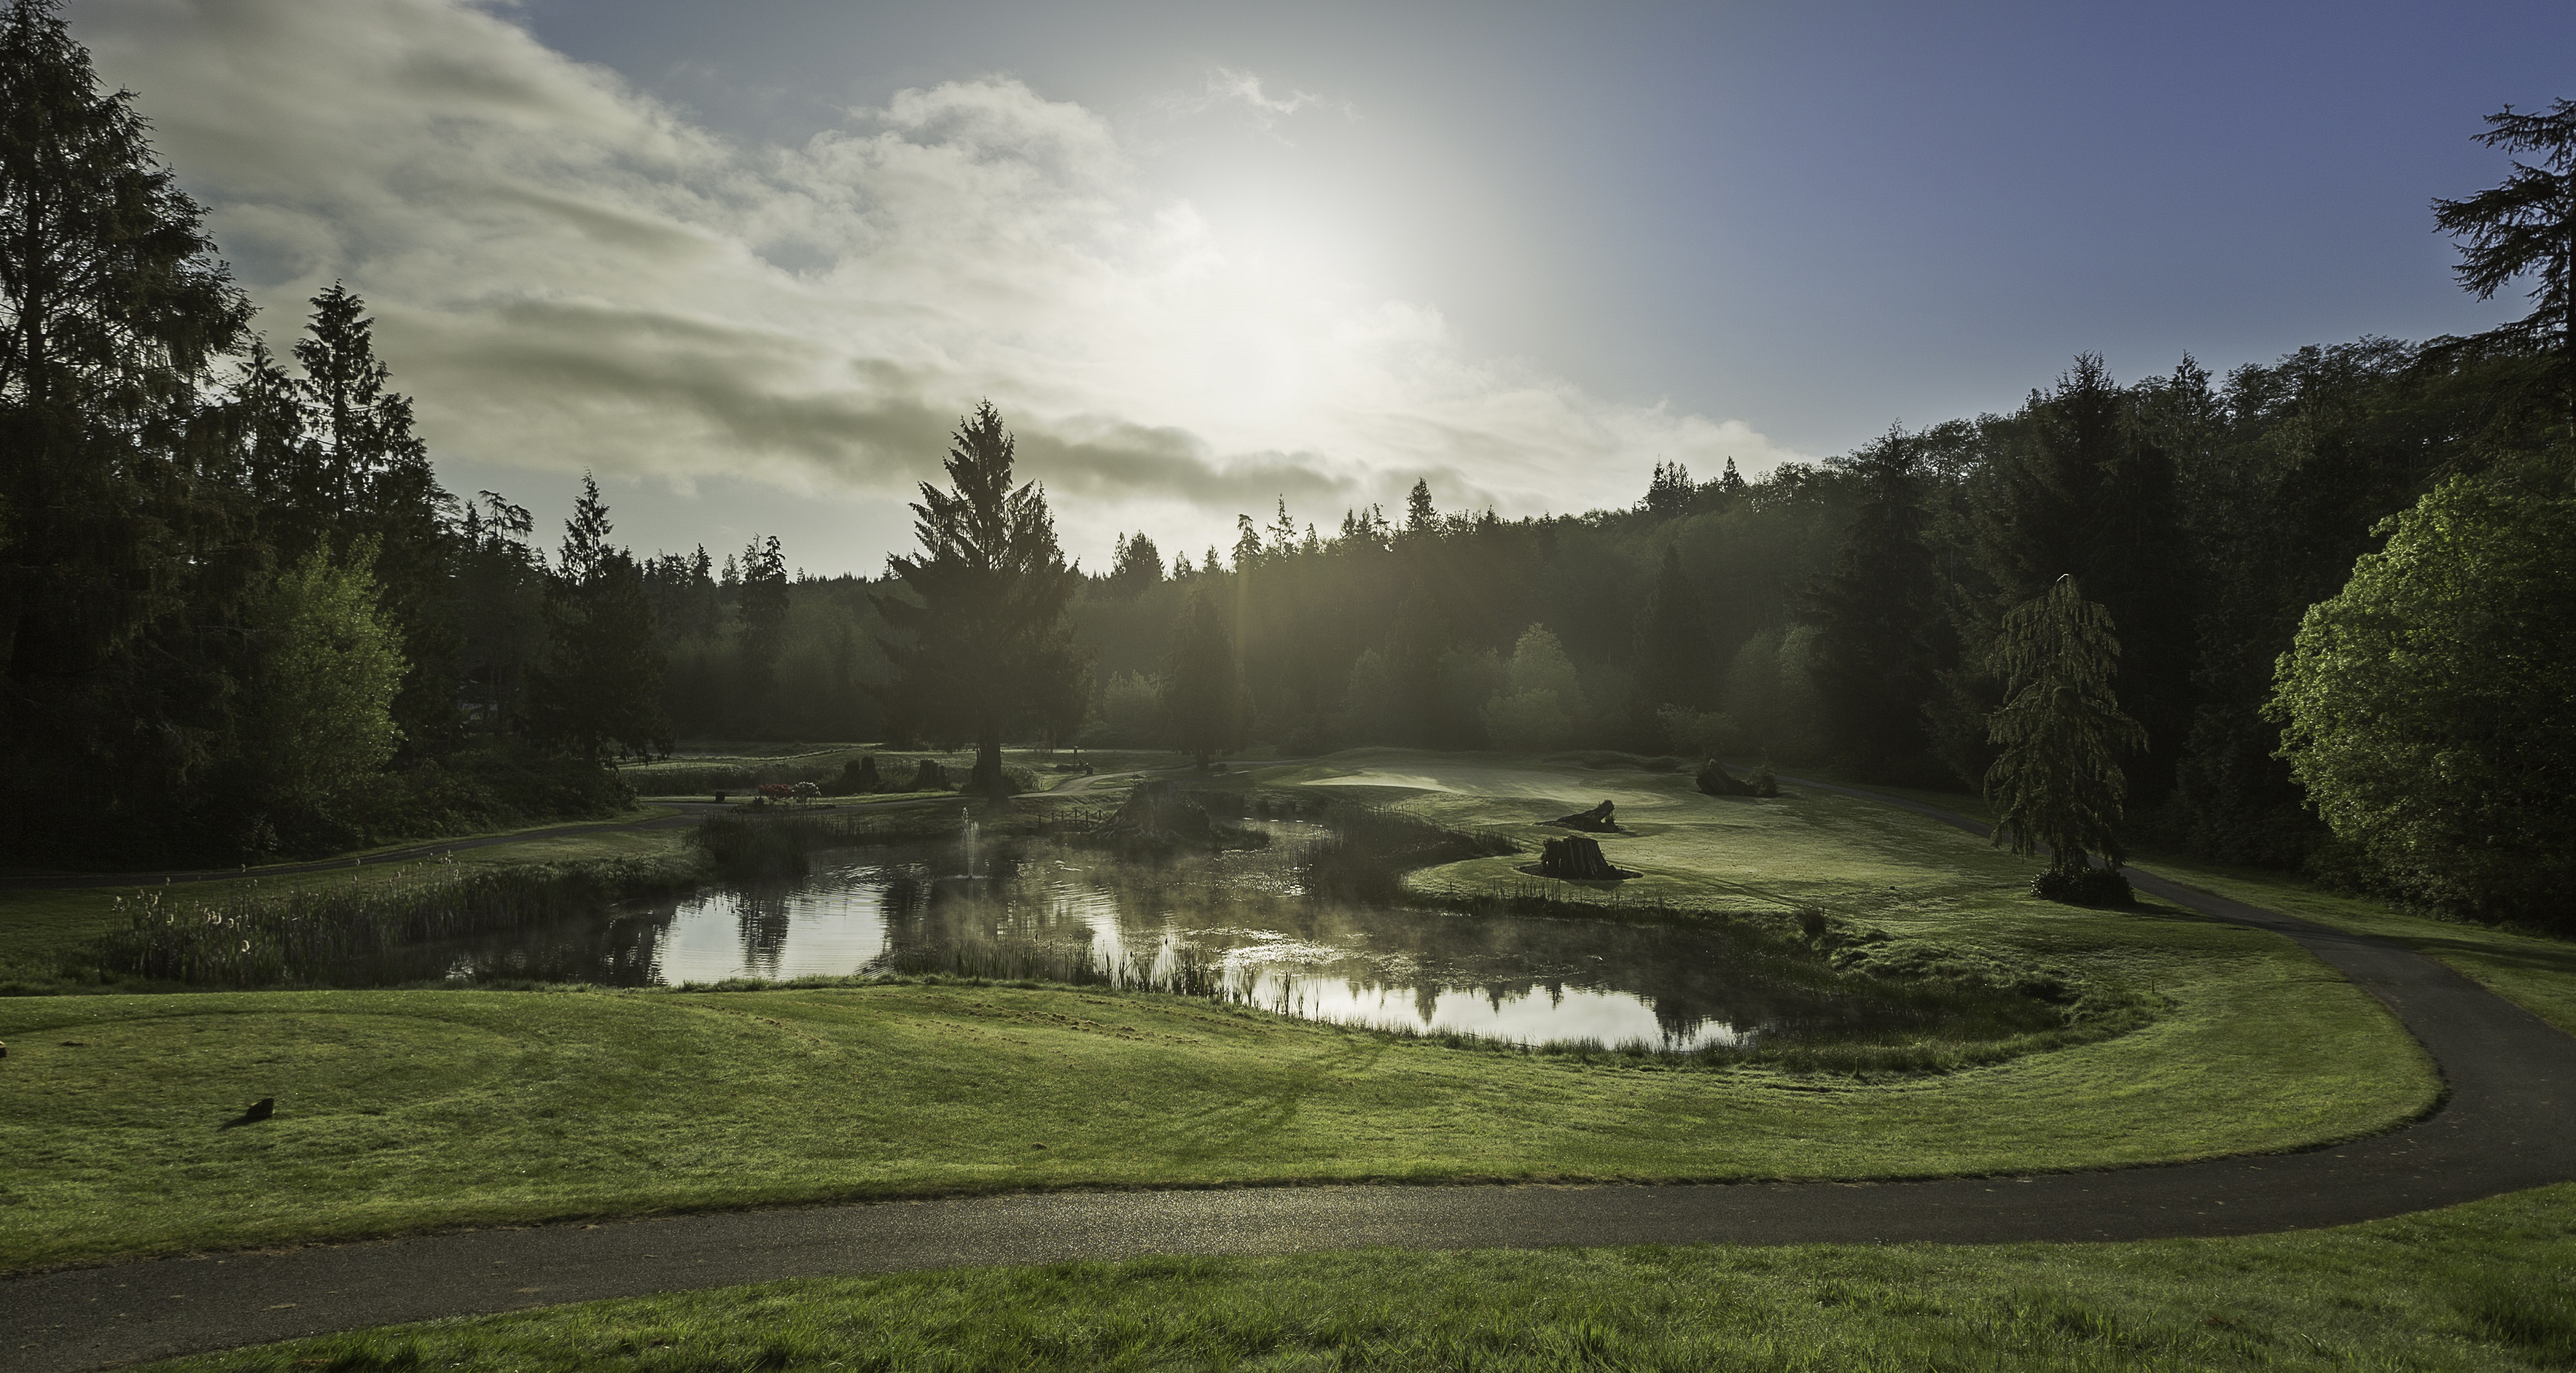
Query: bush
[(2091, 887)]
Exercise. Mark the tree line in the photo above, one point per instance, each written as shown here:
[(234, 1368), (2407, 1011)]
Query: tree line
[(2321, 595)]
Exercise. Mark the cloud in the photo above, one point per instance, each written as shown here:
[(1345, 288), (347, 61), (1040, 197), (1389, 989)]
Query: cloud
[(1232, 87), (569, 274)]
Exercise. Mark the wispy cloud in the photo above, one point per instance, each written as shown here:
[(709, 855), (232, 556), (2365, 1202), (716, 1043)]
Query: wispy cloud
[(570, 274), (1236, 89)]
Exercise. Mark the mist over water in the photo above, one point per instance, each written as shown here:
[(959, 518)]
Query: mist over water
[(1236, 922)]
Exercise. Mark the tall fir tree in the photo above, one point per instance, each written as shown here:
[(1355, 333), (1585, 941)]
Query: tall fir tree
[(367, 476), (123, 568), (980, 644), (2079, 486), (1877, 614), (598, 693)]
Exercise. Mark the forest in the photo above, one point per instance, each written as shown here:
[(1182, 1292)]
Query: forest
[(244, 619)]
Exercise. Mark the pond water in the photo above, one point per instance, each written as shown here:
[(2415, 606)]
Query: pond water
[(1236, 923)]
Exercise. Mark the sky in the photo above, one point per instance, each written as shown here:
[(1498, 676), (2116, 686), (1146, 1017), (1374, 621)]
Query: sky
[(750, 263)]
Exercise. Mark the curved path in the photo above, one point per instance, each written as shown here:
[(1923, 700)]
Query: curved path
[(2509, 1122)]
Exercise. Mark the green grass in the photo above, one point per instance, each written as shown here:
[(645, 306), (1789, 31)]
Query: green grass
[(401, 1110), (2482, 1286), (2534, 971)]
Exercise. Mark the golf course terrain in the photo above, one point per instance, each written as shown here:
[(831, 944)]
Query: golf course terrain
[(2169, 1037)]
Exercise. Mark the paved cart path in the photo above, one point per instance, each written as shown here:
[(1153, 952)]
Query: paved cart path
[(2508, 1122)]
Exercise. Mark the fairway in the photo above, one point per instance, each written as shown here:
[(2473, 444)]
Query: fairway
[(408, 1109)]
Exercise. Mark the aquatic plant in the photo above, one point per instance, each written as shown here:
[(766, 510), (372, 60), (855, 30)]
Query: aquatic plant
[(399, 930)]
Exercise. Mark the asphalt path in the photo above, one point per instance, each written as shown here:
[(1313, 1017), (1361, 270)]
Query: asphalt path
[(2507, 1122)]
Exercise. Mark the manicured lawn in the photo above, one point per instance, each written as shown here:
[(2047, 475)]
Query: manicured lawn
[(398, 1110), (2475, 1287), (404, 1109)]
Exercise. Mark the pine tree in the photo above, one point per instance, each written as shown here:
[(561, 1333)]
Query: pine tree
[(1875, 613), (123, 570), (1419, 518), (1669, 492), (2526, 228), (980, 645), (2083, 487), (1139, 564), (2058, 785), (1202, 686), (366, 475), (599, 692), (762, 606)]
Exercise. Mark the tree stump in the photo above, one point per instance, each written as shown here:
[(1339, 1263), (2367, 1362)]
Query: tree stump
[(1576, 859)]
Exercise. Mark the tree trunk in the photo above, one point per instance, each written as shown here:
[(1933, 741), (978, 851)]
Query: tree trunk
[(987, 779)]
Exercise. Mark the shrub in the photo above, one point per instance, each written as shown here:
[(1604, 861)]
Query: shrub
[(2090, 887)]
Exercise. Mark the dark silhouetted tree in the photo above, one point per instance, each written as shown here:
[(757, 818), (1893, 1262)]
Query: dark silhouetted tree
[(761, 603), (980, 644), (1202, 684), (1419, 517), (1669, 491), (1876, 614), (1676, 660), (598, 693), (2526, 227), (122, 567), (1139, 565)]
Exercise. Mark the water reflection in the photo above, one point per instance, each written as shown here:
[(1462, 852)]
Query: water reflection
[(1234, 922)]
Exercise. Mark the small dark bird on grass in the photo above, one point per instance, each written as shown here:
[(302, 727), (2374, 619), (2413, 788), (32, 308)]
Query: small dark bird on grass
[(261, 1109)]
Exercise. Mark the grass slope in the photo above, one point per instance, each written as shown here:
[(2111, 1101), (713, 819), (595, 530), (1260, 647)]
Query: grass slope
[(403, 1110), (2475, 1287)]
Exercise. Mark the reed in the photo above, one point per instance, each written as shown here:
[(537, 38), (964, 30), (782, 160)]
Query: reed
[(384, 934)]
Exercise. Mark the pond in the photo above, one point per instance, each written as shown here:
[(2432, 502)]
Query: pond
[(1236, 924)]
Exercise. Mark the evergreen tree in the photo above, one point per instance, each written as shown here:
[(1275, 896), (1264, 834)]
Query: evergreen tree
[(500, 596), (1730, 483), (1875, 614), (1247, 544), (981, 646), (1676, 661), (762, 606), (2526, 228), (123, 569), (1669, 492), (2076, 485), (1419, 517), (2057, 784), (1202, 686), (366, 475), (1139, 564), (599, 693)]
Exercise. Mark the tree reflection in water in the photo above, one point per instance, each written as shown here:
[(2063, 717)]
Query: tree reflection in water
[(1235, 924)]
